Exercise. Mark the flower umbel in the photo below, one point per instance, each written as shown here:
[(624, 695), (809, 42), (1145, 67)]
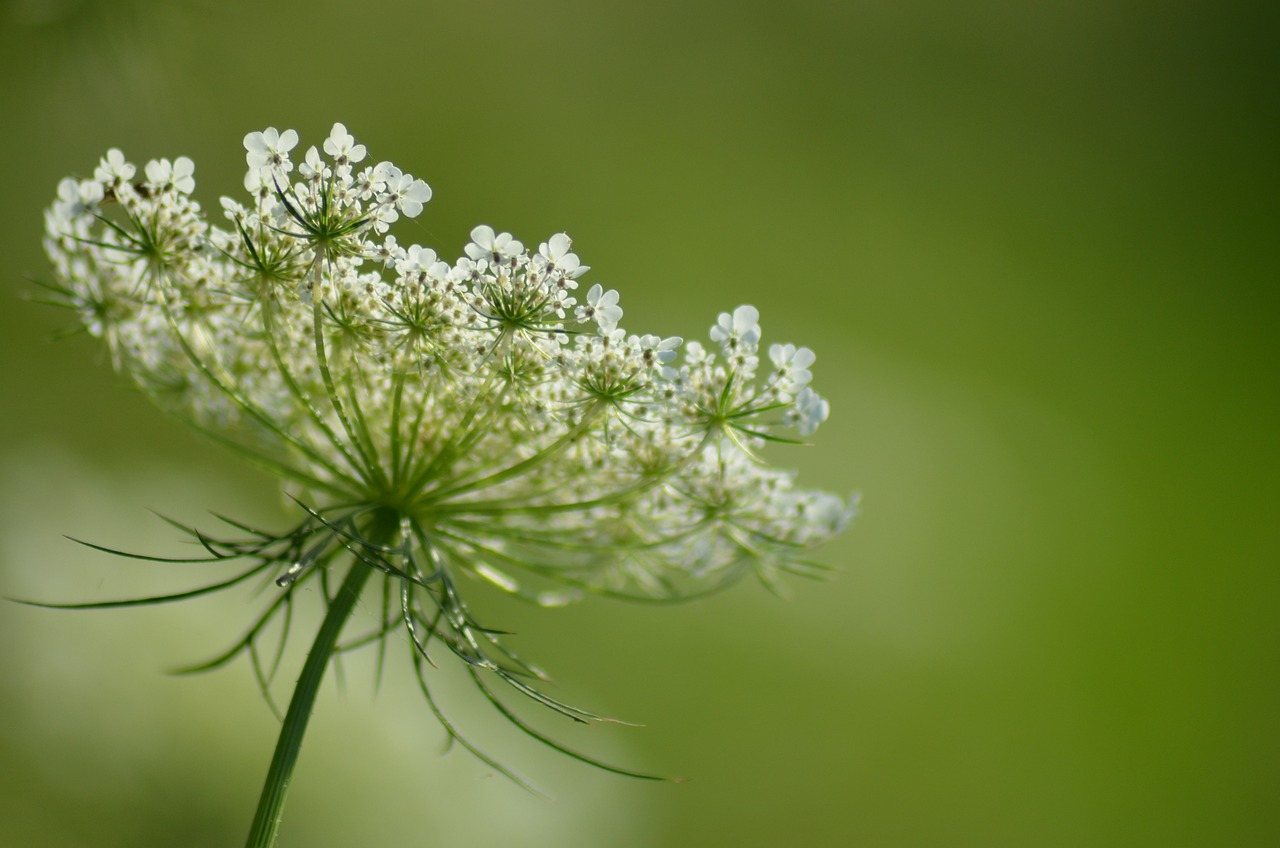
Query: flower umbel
[(437, 419)]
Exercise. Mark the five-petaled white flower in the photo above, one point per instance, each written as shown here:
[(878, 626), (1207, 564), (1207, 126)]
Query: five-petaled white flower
[(554, 253), (655, 351), (270, 149), (341, 145), (601, 307), (742, 327), (792, 366), (494, 248), (313, 168), (113, 168), (401, 191)]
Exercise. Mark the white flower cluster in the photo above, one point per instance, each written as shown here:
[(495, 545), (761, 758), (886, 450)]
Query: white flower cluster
[(518, 431)]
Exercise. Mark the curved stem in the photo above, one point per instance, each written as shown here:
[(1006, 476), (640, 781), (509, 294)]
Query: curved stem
[(266, 822)]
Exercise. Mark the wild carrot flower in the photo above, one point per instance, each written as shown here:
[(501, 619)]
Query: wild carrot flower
[(430, 418)]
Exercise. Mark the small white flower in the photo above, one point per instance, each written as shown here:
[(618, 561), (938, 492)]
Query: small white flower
[(829, 512), (77, 198), (388, 252), (792, 366), (402, 192), (179, 174), (809, 411), (464, 270), (342, 148), (655, 351), (114, 168), (492, 247), (555, 254), (601, 307), (695, 355), (416, 259), (270, 149), (259, 183), (740, 328), (232, 209), (365, 183), (313, 167)]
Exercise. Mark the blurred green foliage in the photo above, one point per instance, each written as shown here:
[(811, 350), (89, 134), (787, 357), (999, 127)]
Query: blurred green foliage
[(1034, 246)]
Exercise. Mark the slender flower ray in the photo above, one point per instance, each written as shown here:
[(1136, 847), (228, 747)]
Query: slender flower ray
[(286, 374), (208, 367), (469, 427), (322, 362), (516, 469)]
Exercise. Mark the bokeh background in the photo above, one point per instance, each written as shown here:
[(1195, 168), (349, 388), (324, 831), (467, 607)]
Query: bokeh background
[(1035, 247)]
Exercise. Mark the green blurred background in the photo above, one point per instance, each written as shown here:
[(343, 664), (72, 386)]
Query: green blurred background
[(1035, 248)]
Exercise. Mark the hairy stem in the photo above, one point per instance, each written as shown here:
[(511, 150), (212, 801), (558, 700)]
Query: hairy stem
[(266, 822)]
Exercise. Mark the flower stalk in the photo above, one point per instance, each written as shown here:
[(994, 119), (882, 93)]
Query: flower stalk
[(266, 821)]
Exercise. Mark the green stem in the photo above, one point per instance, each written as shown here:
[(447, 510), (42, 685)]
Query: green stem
[(266, 822)]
